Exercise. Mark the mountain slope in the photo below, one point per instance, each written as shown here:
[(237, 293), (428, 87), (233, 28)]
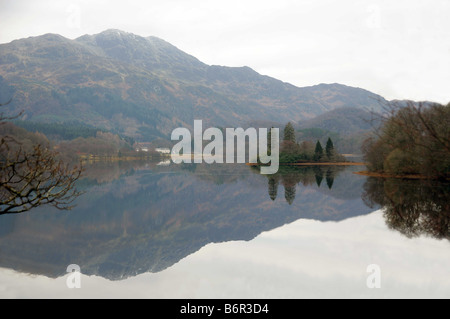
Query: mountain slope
[(146, 87), (345, 121)]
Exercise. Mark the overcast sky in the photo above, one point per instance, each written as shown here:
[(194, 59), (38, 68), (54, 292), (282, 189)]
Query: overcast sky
[(398, 49)]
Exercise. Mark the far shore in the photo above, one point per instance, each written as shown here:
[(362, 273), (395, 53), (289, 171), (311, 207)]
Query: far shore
[(325, 164), (317, 164), (406, 176)]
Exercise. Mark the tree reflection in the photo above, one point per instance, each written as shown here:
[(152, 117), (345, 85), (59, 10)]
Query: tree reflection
[(291, 176), (330, 178), (412, 207), (319, 175), (273, 187)]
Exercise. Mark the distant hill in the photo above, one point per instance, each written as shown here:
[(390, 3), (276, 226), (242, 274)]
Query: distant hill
[(348, 127), (144, 87), (345, 121)]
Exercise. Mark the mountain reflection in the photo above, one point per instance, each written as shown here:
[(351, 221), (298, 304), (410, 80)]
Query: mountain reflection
[(412, 207), (138, 217)]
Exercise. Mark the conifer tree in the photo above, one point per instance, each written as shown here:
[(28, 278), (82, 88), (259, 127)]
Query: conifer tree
[(329, 149), (269, 142), (318, 154), (289, 133)]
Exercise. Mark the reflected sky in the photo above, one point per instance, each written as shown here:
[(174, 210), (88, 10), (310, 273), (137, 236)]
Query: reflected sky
[(305, 259)]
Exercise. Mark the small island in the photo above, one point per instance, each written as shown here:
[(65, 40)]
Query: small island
[(307, 153), (293, 153)]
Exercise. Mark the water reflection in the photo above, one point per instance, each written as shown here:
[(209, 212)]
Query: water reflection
[(140, 217), (412, 207), (290, 176), (143, 217)]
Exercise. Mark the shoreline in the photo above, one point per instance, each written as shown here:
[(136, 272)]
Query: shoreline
[(315, 164), (407, 176), (324, 164)]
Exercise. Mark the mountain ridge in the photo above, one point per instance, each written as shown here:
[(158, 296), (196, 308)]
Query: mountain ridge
[(144, 87)]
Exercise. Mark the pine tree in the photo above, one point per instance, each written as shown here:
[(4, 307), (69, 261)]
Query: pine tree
[(269, 142), (329, 149), (289, 133), (318, 154)]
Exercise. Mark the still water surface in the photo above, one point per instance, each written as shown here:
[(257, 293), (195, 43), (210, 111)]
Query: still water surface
[(144, 230)]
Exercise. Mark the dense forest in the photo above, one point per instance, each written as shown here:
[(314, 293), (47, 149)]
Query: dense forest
[(413, 140)]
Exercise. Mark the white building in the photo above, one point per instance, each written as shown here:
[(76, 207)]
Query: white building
[(163, 150), (142, 147)]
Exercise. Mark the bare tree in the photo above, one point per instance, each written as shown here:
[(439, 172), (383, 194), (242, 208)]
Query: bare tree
[(421, 119), (414, 138), (32, 178)]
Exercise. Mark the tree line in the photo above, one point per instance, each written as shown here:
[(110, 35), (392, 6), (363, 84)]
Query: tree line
[(414, 139), (293, 152), (289, 177)]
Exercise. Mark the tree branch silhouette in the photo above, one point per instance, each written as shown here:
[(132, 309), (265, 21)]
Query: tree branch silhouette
[(32, 178)]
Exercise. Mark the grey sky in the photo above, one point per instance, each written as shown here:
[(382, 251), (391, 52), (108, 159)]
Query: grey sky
[(399, 49)]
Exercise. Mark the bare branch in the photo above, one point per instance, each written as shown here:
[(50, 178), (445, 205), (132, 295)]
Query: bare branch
[(32, 178)]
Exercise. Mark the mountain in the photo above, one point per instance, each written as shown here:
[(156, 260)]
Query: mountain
[(144, 87), (348, 127), (345, 120)]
